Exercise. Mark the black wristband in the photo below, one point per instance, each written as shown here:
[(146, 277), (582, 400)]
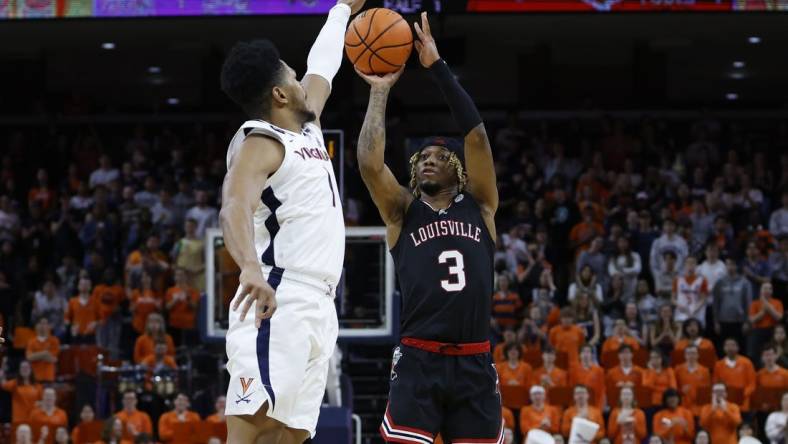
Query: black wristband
[(460, 103)]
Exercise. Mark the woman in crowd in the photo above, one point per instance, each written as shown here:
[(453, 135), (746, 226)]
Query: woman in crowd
[(85, 431), (627, 423), (514, 371), (25, 392), (674, 423), (144, 301), (113, 432), (587, 317), (637, 329), (585, 282), (780, 340), (627, 264), (154, 330), (665, 333)]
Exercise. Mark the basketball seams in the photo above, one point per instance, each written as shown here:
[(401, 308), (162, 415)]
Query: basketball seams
[(368, 50)]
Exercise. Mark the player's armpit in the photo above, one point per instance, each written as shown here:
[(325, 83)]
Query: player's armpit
[(480, 169), (257, 158)]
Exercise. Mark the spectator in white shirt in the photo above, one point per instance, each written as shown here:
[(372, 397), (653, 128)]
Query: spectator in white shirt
[(776, 423), (83, 200), (671, 242), (205, 215), (778, 223), (104, 174), (712, 269)]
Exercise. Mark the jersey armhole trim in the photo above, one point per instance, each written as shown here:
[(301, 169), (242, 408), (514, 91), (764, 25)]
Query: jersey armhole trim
[(404, 220), (281, 144)]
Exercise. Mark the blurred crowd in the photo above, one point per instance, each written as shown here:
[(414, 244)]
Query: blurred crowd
[(641, 272), (102, 250)]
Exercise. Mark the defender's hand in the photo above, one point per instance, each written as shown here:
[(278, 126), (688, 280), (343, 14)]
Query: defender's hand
[(355, 5), (381, 82), (425, 45), (254, 288)]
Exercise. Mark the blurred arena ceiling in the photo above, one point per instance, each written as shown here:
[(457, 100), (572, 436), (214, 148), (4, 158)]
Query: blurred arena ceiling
[(552, 61)]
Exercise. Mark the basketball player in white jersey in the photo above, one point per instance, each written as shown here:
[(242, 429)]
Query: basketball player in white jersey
[(282, 223)]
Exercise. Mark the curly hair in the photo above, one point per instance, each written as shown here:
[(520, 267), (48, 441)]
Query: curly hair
[(454, 161), (250, 71)]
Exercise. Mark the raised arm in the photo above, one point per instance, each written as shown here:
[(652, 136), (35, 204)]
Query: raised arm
[(325, 57), (478, 153), (257, 158), (391, 198)]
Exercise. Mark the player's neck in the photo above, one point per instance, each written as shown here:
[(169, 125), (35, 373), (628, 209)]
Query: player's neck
[(286, 119), (442, 199)]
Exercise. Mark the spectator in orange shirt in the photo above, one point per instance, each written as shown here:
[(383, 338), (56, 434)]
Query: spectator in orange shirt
[(567, 337), (539, 415), (690, 376), (42, 352), (674, 424), (113, 432), (721, 418), (48, 414), (144, 301), (25, 392), (765, 313), (621, 336), (584, 410), (533, 331), (590, 375), (219, 405), (216, 420), (134, 421), (154, 330), (548, 375), (771, 376), (82, 315), (148, 258), (691, 336), (109, 294), (657, 377), (625, 374), (168, 430), (514, 371), (508, 417), (81, 433), (158, 363), (181, 304), (627, 423), (506, 306), (509, 337), (41, 195), (584, 232), (736, 371)]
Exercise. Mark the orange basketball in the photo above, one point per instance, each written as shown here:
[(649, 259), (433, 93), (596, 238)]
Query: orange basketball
[(378, 41)]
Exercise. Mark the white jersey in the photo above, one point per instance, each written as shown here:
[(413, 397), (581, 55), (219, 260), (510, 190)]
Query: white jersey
[(299, 230)]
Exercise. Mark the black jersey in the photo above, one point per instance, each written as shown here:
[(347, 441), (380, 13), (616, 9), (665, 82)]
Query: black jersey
[(444, 261)]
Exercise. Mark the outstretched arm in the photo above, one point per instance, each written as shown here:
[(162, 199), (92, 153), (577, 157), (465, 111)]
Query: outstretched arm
[(478, 153), (325, 57), (391, 198), (258, 157)]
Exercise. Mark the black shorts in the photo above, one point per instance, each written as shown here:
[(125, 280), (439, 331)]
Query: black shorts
[(454, 395)]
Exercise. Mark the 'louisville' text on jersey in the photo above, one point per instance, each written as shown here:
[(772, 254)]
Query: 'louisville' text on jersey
[(445, 228)]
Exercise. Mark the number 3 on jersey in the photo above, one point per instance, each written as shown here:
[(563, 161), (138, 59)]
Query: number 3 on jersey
[(456, 268)]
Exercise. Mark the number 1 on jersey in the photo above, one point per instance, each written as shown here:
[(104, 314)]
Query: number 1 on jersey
[(457, 269)]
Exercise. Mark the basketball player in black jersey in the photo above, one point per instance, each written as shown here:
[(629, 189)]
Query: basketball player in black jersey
[(441, 232)]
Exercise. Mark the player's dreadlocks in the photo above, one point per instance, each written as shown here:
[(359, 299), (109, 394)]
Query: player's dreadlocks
[(454, 161)]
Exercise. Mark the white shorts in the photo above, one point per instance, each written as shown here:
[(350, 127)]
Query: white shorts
[(285, 361)]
